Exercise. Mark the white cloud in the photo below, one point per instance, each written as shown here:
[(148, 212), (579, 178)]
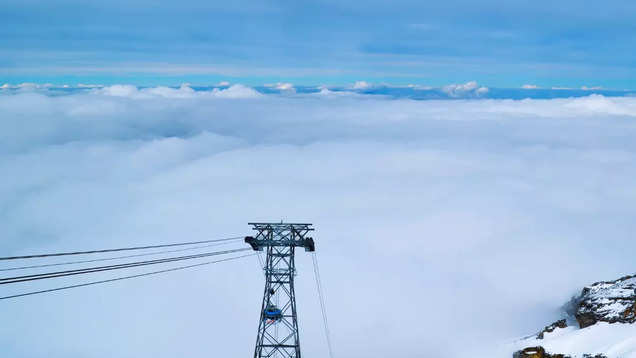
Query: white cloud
[(185, 91), (119, 91), (27, 86), (224, 83), (361, 85), (463, 90), (586, 88), (236, 91), (426, 207), (527, 86), (325, 92), (84, 85), (481, 91), (282, 86), (285, 86)]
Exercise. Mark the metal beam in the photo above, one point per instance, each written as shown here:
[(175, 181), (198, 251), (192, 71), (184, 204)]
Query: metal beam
[(279, 337)]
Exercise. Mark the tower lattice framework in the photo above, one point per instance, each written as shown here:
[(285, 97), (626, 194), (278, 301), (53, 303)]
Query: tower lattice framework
[(278, 324)]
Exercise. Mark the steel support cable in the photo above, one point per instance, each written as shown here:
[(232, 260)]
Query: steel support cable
[(122, 278), (113, 258), (16, 279), (260, 262), (119, 249), (322, 303)]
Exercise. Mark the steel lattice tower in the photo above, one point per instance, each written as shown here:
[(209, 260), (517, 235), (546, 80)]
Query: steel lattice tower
[(278, 324)]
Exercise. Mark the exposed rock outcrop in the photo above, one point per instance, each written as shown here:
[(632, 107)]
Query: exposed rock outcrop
[(608, 301), (539, 352), (530, 352), (536, 352), (558, 324)]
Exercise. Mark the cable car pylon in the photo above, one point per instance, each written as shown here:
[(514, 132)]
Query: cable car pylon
[(278, 323)]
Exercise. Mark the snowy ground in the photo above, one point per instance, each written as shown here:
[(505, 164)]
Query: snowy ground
[(614, 340)]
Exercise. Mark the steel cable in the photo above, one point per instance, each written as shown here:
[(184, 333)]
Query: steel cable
[(112, 258), (119, 249), (41, 276), (322, 303), (121, 278)]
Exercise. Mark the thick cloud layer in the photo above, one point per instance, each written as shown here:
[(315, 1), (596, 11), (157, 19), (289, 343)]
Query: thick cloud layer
[(443, 227)]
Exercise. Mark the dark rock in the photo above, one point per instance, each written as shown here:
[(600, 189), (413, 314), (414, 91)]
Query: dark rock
[(607, 301), (530, 352), (536, 352), (586, 319), (550, 328)]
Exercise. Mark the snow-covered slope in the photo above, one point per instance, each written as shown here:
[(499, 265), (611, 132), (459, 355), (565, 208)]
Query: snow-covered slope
[(602, 325), (614, 340)]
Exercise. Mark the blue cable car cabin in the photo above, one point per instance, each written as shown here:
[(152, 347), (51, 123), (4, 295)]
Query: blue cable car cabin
[(272, 313)]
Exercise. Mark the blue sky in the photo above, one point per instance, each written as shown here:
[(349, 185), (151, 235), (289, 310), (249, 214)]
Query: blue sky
[(496, 43)]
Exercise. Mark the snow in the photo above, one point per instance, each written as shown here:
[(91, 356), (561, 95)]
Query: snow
[(623, 289), (614, 310), (610, 299), (615, 340), (607, 301)]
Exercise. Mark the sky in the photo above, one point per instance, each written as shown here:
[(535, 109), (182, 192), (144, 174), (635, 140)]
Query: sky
[(498, 44), (456, 225)]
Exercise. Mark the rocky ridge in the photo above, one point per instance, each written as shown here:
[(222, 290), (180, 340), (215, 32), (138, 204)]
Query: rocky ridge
[(608, 301), (550, 328), (605, 301)]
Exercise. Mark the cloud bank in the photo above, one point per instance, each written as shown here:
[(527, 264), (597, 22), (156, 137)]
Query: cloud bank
[(453, 225), (468, 90), (185, 91)]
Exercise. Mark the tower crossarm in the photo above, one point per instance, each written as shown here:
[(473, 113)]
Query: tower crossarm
[(281, 235)]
